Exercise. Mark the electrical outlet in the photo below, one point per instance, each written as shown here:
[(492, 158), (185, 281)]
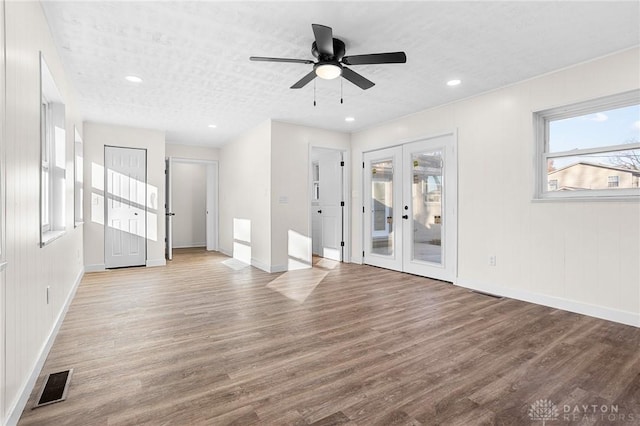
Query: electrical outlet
[(492, 260)]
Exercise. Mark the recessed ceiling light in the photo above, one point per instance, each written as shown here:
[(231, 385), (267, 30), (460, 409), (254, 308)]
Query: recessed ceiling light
[(133, 79), (453, 82), (213, 126), (349, 119)]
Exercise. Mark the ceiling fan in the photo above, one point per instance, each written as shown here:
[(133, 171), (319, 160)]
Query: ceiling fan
[(331, 60)]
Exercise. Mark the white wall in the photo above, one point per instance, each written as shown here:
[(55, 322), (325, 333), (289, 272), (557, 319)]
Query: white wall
[(188, 188), (576, 255), (245, 188), (96, 136), (31, 323), (290, 185)]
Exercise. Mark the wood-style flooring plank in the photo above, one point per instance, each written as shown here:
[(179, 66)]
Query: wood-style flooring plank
[(199, 343)]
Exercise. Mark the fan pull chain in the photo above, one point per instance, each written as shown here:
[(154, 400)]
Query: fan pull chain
[(314, 92), (341, 91)]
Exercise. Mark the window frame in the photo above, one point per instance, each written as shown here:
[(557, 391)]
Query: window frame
[(541, 120), (53, 158)]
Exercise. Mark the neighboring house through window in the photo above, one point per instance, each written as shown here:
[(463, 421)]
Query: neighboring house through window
[(590, 149)]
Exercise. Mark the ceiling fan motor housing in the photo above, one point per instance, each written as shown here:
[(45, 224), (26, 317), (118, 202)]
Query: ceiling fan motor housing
[(338, 51)]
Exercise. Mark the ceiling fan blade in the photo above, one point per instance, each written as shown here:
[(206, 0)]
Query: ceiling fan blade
[(295, 61), (304, 80), (357, 79), (324, 39), (376, 58)]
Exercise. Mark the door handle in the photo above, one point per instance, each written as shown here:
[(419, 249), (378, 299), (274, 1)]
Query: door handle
[(135, 213), (168, 214), (319, 211), (405, 216)]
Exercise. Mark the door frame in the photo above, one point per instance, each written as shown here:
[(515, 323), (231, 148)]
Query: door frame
[(453, 221), (346, 191), (212, 184)]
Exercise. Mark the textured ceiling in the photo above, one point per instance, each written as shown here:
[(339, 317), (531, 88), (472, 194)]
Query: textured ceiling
[(194, 57)]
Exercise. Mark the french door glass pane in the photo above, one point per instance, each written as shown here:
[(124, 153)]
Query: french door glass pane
[(382, 207), (426, 194)]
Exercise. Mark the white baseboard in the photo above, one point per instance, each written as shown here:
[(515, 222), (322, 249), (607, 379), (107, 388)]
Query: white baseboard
[(260, 265), (225, 252), (280, 268), (14, 413), (156, 262), (94, 268), (194, 245), (615, 315)]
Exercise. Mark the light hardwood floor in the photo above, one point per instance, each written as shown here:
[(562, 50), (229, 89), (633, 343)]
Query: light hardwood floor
[(197, 342)]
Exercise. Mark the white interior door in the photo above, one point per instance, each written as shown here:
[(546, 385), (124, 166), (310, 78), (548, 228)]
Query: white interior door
[(327, 209), (410, 219), (382, 211), (126, 194), (168, 210)]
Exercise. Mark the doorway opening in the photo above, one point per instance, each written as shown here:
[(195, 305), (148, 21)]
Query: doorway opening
[(328, 204), (191, 204)]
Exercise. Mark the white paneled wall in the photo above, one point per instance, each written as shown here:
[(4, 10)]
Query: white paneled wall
[(30, 321), (576, 255), (2, 216)]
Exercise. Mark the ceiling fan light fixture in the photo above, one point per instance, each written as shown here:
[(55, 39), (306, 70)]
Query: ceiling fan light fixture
[(328, 71)]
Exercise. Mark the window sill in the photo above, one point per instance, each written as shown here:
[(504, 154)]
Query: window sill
[(50, 236), (596, 199)]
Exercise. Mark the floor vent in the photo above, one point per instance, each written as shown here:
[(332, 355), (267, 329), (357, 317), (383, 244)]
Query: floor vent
[(486, 294), (55, 388)]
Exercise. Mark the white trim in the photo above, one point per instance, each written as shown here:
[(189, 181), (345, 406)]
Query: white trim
[(194, 245), (280, 268), (156, 262), (14, 413), (98, 267), (616, 315), (225, 252)]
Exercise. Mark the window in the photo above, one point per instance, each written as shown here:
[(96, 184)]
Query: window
[(53, 158), (591, 149), (78, 193)]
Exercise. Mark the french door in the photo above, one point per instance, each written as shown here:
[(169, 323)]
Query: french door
[(410, 194)]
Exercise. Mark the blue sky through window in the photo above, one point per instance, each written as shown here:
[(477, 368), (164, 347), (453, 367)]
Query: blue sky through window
[(601, 129)]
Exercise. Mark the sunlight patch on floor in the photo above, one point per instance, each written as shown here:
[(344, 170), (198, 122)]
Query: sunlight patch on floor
[(298, 285), (326, 263), (235, 264)]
